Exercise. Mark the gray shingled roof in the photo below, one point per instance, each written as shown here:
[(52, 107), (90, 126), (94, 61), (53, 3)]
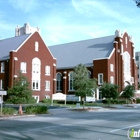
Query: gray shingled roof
[(9, 44), (71, 54)]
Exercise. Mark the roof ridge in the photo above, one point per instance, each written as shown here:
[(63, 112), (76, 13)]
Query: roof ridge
[(81, 40), (14, 37)]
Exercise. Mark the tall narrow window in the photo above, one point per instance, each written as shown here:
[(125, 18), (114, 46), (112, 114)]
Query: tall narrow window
[(111, 67), (2, 67), (126, 59), (112, 80), (23, 67), (36, 46), (1, 84), (71, 88), (47, 70), (59, 82), (35, 84), (36, 66), (100, 78), (47, 87)]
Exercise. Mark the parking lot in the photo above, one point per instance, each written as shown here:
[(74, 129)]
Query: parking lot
[(63, 124)]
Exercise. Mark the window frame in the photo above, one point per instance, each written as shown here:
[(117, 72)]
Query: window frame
[(100, 78), (47, 70), (71, 88), (58, 82), (23, 67), (2, 67), (47, 85)]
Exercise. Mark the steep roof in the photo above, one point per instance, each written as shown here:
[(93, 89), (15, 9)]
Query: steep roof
[(10, 44), (71, 54)]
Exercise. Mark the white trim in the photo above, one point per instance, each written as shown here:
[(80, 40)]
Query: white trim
[(65, 72), (23, 42), (15, 58), (99, 78), (115, 42), (47, 85), (111, 53), (54, 64), (15, 76), (54, 79), (64, 77)]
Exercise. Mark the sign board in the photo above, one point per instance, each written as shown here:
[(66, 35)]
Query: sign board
[(2, 92), (59, 96)]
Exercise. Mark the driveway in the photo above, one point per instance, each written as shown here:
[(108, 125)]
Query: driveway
[(64, 124)]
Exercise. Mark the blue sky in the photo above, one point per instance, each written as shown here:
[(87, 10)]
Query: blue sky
[(63, 21)]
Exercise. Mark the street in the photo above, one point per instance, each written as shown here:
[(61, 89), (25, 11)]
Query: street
[(64, 124)]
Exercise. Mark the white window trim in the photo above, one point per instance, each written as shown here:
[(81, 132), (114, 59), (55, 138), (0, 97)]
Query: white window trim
[(47, 85), (36, 46), (1, 84), (23, 67), (111, 67), (47, 70), (59, 81), (100, 74), (69, 82), (2, 67), (111, 79), (36, 81), (36, 97)]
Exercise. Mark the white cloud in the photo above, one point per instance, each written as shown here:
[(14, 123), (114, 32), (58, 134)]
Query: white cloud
[(95, 8), (24, 5)]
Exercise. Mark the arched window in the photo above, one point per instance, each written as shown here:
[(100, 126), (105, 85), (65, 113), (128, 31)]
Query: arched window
[(36, 46), (59, 81), (71, 79), (36, 63), (126, 60)]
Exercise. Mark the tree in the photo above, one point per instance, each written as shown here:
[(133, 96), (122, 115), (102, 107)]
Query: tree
[(20, 93), (128, 92), (83, 85), (137, 3), (109, 91)]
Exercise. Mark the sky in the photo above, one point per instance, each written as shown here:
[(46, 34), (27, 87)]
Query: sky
[(63, 21)]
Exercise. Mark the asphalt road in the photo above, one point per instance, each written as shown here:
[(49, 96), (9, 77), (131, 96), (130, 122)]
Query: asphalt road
[(63, 124)]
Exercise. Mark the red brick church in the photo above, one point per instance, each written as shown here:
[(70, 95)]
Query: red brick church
[(27, 53), (50, 70), (108, 59)]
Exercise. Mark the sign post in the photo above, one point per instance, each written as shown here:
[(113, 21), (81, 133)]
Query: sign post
[(1, 99)]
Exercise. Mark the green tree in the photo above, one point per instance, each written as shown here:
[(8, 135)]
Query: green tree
[(20, 93), (128, 92), (83, 85), (137, 3), (109, 91)]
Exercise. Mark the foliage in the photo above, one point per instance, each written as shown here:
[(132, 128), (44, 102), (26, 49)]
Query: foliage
[(8, 111), (47, 101), (138, 100), (109, 91), (83, 85), (137, 3), (128, 92), (139, 86), (20, 93), (36, 109)]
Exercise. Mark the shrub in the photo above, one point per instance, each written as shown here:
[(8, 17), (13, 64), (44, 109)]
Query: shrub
[(138, 100), (8, 111), (47, 101), (36, 109)]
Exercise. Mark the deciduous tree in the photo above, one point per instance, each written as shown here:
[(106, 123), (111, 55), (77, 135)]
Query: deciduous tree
[(83, 85)]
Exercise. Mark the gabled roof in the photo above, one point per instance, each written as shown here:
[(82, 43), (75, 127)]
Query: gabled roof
[(71, 54), (11, 44)]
